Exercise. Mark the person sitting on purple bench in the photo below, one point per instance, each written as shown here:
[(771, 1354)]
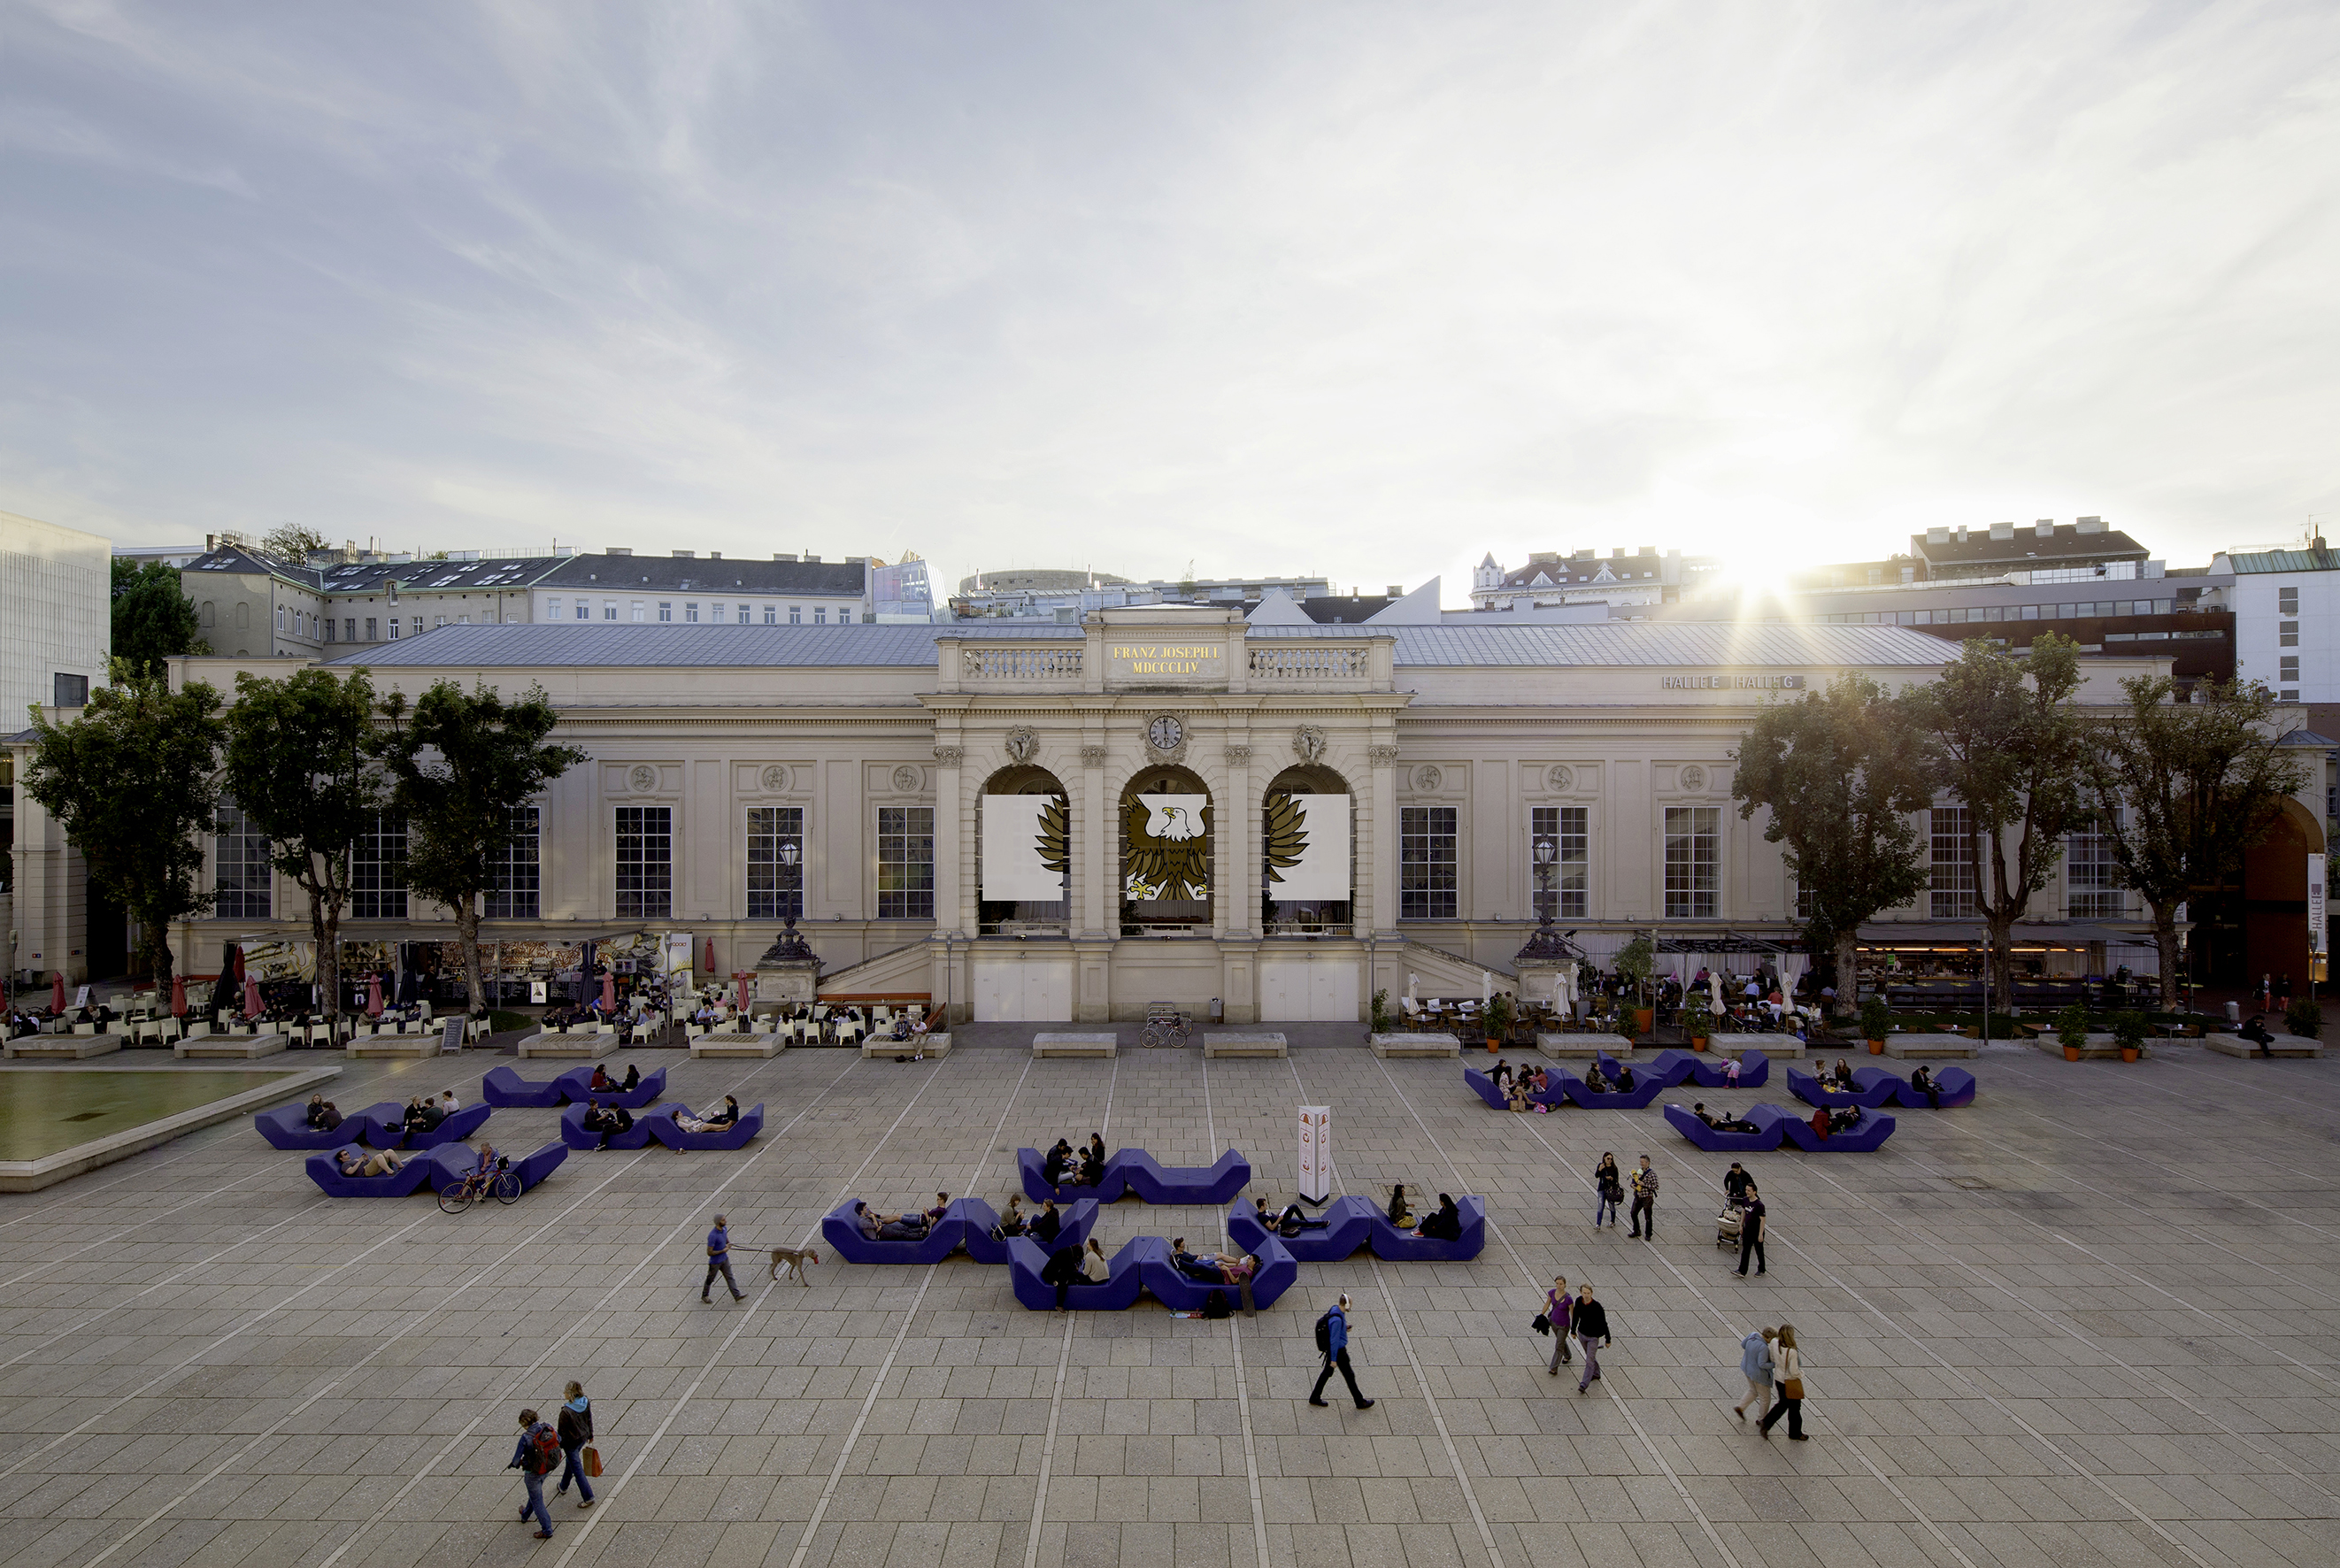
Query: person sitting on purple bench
[(1594, 1083), (1446, 1224), (607, 1120), (1052, 1168), (354, 1163), (1725, 1123), (1923, 1082), (713, 1121), (875, 1227), (1624, 1079)]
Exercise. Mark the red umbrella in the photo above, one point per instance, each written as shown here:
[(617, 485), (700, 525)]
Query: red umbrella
[(178, 996), (710, 955), (251, 994), (57, 992), (373, 996), (239, 964), (609, 993), (743, 991)]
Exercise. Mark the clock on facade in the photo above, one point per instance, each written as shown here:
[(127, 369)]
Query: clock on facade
[(1165, 733)]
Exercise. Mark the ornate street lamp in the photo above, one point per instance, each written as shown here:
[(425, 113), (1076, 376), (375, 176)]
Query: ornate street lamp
[(1547, 943), (789, 945)]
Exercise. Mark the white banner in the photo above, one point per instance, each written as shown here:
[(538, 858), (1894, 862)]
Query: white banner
[(1316, 1153), (1015, 854), (1308, 846), (2319, 928)]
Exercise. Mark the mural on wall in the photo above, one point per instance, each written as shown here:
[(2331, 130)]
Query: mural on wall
[(1026, 847), (1169, 847), (1308, 853)]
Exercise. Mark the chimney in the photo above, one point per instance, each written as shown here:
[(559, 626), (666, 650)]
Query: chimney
[(680, 554), (812, 558), (2088, 525), (2002, 530), (2044, 528), (779, 557), (714, 555), (615, 549), (1937, 536)]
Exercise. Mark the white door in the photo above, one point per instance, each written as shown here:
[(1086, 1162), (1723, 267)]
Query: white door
[(1332, 993)]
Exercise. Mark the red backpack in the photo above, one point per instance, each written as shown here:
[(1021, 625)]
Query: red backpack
[(543, 1450)]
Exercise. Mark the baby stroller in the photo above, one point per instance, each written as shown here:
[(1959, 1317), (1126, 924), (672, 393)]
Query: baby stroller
[(1727, 1224)]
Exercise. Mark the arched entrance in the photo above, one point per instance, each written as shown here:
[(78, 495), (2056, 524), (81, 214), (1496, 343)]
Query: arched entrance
[(1166, 824), (1308, 853)]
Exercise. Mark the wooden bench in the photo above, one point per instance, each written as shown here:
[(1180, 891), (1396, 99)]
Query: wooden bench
[(2285, 1045), (1263, 1043), (229, 1048), (1432, 1046), (1931, 1047), (937, 1044), (714, 1045), (1064, 1044)]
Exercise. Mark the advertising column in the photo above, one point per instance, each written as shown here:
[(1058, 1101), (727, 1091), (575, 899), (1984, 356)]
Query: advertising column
[(1315, 1152)]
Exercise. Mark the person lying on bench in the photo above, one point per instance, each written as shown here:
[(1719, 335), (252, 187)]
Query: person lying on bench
[(1721, 1124), (875, 1227), (355, 1163), (1291, 1221), (713, 1121), (1844, 1120), (1446, 1224), (1924, 1083), (1191, 1266)]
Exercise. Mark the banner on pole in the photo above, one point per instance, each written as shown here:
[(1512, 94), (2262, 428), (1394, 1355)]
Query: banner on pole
[(1316, 1153)]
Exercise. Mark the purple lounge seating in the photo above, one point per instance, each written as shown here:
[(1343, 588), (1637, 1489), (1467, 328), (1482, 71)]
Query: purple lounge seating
[(1119, 1293), (573, 1132), (1710, 1072), (1866, 1138), (1812, 1091), (455, 1128), (1488, 1090), (1956, 1084), (507, 1090), (1392, 1244), (286, 1126), (1718, 1143), (576, 1084), (1153, 1182), (456, 1161), (1079, 1218), (1109, 1189), (413, 1176), (381, 1124), (842, 1228), (1189, 1293), (738, 1136), (1348, 1225), (1644, 1091)]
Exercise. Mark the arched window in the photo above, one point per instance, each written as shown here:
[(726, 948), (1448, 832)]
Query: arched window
[(1023, 855), (1165, 822), (1307, 854)]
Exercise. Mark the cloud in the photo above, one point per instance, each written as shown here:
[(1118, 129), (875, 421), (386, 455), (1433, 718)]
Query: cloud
[(1368, 292)]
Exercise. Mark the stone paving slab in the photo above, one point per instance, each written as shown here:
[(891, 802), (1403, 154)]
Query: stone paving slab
[(2033, 1337)]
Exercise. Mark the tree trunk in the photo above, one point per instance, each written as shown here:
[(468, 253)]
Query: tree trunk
[(1848, 973), (467, 921), (155, 938), (2164, 939), (2000, 957), (329, 966)]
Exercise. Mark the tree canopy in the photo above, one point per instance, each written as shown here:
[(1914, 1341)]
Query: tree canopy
[(293, 543), (153, 618), (133, 782)]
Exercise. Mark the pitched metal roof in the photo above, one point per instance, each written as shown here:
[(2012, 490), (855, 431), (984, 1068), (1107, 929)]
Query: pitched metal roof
[(373, 576), (707, 574), (1622, 642), (2258, 561)]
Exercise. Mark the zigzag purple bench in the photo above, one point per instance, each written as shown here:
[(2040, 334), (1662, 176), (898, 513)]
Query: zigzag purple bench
[(1955, 1085), (1866, 1138), (1868, 1097), (389, 1131), (667, 1131), (1142, 1267), (287, 1126), (413, 1176), (504, 1087), (1278, 1272), (842, 1230), (573, 1132), (1348, 1225), (1486, 1090), (1079, 1218), (1722, 1143), (1708, 1073), (576, 1083), (1136, 1171), (1644, 1091)]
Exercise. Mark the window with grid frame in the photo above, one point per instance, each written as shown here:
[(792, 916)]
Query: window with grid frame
[(645, 860), (515, 873), (378, 870), (1693, 861), (1569, 895), (905, 862), (1428, 888), (2090, 889), (241, 878), (1950, 874), (776, 890)]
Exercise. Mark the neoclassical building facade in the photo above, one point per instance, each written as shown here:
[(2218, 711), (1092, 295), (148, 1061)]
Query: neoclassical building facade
[(1042, 822)]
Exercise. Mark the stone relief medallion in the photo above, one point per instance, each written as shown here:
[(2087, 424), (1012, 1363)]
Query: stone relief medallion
[(1308, 742), (907, 779), (1021, 745), (776, 778), (1428, 777), (1559, 779), (643, 778), (1693, 778)]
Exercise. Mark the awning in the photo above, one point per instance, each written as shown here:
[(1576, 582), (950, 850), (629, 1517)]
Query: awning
[(1973, 933)]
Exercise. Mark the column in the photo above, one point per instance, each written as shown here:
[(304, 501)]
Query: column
[(1377, 844), (954, 877), (1238, 830), (1096, 911)]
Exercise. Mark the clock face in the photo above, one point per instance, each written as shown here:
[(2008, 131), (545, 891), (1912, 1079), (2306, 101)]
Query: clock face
[(1165, 732)]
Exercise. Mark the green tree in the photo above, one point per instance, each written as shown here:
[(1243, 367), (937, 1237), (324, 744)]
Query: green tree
[(153, 619), (132, 782), (1841, 772), (2013, 750), (2183, 788), (293, 543), (301, 763), (461, 769)]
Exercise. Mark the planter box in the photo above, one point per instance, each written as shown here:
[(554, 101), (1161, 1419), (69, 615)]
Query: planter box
[(63, 1047), (1433, 1047), (2100, 1048), (937, 1045), (576, 1047), (219, 1048), (2285, 1045), (736, 1046)]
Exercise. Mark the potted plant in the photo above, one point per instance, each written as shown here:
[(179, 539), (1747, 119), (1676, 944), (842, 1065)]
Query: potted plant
[(1876, 1023), (1638, 962), (1499, 1020), (2128, 1033), (1381, 1011), (2072, 1030), (2303, 1017)]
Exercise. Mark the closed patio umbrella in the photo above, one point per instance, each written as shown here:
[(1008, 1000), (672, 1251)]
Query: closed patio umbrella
[(57, 992), (609, 992), (373, 996), (743, 993), (251, 995), (178, 996)]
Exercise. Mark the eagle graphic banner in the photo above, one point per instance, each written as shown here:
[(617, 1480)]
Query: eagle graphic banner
[(1169, 838), (1307, 846), (1024, 849)]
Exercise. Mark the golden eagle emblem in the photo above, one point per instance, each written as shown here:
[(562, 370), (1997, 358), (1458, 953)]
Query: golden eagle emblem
[(1287, 835), (1169, 853), (1054, 839)]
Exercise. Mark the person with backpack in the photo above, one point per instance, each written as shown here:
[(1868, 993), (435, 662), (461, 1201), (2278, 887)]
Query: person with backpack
[(1590, 1321), (1559, 1311), (576, 1431), (1332, 1343), (535, 1456)]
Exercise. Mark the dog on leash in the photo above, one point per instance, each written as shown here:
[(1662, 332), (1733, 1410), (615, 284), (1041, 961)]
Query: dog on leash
[(792, 1260)]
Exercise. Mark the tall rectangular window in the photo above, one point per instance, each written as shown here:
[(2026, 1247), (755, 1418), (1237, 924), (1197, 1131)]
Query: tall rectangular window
[(1951, 881), (775, 888), (1693, 861), (372, 635), (1569, 894), (666, 610), (744, 616), (378, 870), (516, 875), (552, 610), (2286, 601), (585, 612), (393, 629), (645, 861), (905, 862), (796, 615), (819, 616), (772, 615), (2090, 891), (690, 612), (609, 609), (240, 876), (1427, 884)]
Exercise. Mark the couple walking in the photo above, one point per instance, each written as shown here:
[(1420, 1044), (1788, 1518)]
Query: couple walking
[(1766, 1355), (544, 1448), (1568, 1312)]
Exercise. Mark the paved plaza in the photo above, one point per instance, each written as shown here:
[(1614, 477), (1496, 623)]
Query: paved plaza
[(2088, 1320)]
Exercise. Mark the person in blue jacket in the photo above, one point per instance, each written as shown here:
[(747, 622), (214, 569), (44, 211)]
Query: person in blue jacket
[(1336, 1356)]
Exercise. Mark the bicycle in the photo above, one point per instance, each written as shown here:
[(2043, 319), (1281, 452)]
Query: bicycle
[(1167, 1027), (474, 1186)]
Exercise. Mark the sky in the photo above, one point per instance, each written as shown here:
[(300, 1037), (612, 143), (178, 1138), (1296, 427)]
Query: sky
[(1367, 291)]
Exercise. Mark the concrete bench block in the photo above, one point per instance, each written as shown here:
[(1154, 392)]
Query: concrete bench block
[(1775, 1046), (1931, 1048), (1070, 1045), (736, 1046), (935, 1046), (2285, 1045), (1435, 1047), (221, 1047), (63, 1047), (1582, 1046), (587, 1047), (1249, 1044), (367, 1045)]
